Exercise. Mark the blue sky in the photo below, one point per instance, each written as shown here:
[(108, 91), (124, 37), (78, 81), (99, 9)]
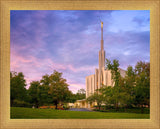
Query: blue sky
[(69, 41)]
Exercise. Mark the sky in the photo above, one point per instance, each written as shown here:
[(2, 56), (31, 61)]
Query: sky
[(68, 41)]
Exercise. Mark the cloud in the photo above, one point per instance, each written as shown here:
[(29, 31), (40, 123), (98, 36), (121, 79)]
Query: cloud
[(69, 41), (34, 68), (128, 47)]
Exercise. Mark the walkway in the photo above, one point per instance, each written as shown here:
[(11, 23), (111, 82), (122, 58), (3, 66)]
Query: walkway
[(80, 109)]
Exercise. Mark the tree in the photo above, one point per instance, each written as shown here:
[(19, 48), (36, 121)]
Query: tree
[(107, 93), (58, 88), (33, 92), (81, 91), (43, 91), (114, 70), (142, 82), (96, 98), (129, 86), (44, 98), (81, 94), (70, 97), (116, 78), (18, 84), (45, 81), (131, 90)]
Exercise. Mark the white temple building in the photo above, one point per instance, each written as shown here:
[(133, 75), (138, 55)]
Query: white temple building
[(101, 77)]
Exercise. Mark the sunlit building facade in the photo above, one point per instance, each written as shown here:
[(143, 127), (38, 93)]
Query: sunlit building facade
[(102, 75)]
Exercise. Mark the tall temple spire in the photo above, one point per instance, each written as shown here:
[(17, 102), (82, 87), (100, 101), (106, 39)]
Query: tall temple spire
[(101, 52), (101, 35), (101, 61)]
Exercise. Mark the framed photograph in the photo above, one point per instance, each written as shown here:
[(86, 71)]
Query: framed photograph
[(61, 55)]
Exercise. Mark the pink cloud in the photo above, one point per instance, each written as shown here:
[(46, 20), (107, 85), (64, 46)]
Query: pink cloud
[(75, 87), (34, 68)]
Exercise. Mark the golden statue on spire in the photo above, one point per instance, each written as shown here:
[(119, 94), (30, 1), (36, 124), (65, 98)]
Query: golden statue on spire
[(101, 24)]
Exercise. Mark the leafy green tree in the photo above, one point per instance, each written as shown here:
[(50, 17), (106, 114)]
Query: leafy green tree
[(142, 82), (44, 97), (71, 97), (17, 84), (114, 70), (116, 78), (58, 88), (45, 81), (132, 89), (122, 90), (82, 91), (98, 98), (107, 93), (129, 86), (81, 94), (33, 92)]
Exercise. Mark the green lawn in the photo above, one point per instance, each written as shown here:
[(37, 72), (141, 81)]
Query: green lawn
[(29, 113)]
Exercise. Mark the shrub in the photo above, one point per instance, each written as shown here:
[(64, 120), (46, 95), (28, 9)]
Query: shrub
[(95, 109), (52, 107), (18, 103), (43, 107), (102, 110), (65, 107)]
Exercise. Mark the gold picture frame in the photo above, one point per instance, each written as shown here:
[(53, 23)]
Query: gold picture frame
[(152, 5)]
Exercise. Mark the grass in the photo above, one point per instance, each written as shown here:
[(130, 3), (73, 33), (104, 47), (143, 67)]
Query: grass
[(29, 113), (133, 110)]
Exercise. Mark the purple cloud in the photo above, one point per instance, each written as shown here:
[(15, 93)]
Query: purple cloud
[(69, 41)]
